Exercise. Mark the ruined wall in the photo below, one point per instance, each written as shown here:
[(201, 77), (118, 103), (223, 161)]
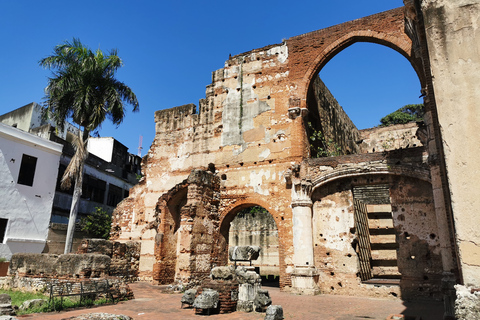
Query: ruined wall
[(251, 127), (403, 238), (419, 252), (124, 256), (398, 136), (242, 126), (59, 266), (188, 221), (329, 118), (453, 38)]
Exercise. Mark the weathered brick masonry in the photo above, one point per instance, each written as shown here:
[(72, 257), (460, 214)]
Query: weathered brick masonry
[(247, 145)]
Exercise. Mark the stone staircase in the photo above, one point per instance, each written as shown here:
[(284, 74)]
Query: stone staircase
[(383, 244)]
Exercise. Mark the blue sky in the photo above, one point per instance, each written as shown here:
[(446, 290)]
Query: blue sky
[(170, 48)]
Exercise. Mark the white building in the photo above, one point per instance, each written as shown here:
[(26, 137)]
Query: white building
[(28, 175), (109, 172)]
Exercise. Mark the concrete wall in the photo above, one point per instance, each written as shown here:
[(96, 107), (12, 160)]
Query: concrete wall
[(453, 38), (101, 147), (27, 208), (21, 117)]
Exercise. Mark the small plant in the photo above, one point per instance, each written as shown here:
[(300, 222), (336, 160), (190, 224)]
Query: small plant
[(3, 259), (320, 146), (98, 223)]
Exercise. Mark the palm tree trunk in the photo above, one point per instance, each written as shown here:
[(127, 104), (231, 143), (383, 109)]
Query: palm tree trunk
[(77, 192)]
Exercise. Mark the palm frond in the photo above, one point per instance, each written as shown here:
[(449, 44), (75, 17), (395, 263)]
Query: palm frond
[(75, 167)]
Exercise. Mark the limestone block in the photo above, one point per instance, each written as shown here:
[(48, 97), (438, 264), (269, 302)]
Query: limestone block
[(189, 297), (208, 299), (262, 300), (247, 276), (274, 313), (6, 305), (32, 303), (147, 247), (244, 253), (222, 273)]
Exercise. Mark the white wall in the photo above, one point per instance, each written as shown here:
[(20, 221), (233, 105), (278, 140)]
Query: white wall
[(101, 147), (27, 208)]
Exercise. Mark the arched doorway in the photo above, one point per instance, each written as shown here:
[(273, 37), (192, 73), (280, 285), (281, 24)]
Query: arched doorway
[(169, 207), (251, 224)]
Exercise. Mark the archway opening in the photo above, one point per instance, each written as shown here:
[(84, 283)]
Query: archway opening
[(255, 226), (357, 87)]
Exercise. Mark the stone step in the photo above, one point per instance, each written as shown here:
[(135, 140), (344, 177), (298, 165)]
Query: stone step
[(381, 272), (384, 263), (388, 238), (384, 254)]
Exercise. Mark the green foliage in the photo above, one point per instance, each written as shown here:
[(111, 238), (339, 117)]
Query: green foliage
[(251, 210), (408, 113), (98, 223), (18, 297), (84, 87), (321, 147), (3, 259)]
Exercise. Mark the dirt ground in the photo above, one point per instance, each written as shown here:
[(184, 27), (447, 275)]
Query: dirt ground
[(150, 303)]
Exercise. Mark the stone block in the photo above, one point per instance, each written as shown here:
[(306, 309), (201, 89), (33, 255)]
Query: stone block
[(223, 273), (189, 297), (262, 300), (274, 313), (208, 299), (244, 253)]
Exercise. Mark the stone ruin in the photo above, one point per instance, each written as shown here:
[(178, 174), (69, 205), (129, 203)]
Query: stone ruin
[(385, 219), (96, 259), (230, 288)]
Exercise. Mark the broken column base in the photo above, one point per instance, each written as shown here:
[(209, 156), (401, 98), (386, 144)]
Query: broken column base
[(250, 283), (304, 280)]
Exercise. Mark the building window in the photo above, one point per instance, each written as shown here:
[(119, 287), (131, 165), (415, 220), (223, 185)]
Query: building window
[(27, 170), (3, 229), (115, 195), (93, 189)]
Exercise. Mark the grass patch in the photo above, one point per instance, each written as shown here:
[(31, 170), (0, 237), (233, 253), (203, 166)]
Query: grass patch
[(19, 297)]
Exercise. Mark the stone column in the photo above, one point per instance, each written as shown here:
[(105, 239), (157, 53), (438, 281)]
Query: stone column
[(304, 273)]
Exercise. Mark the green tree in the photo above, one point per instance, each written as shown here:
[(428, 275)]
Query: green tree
[(98, 223), (83, 89), (408, 113)]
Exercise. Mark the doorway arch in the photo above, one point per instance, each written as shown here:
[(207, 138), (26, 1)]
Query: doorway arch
[(275, 254)]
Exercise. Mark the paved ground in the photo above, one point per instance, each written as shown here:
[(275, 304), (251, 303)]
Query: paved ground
[(151, 303)]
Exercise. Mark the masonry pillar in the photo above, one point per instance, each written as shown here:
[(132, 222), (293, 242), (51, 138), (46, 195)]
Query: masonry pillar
[(304, 275)]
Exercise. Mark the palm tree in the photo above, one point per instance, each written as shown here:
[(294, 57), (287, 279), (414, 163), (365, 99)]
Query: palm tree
[(83, 89)]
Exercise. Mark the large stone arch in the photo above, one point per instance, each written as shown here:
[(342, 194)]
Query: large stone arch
[(399, 44), (308, 53), (229, 209)]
